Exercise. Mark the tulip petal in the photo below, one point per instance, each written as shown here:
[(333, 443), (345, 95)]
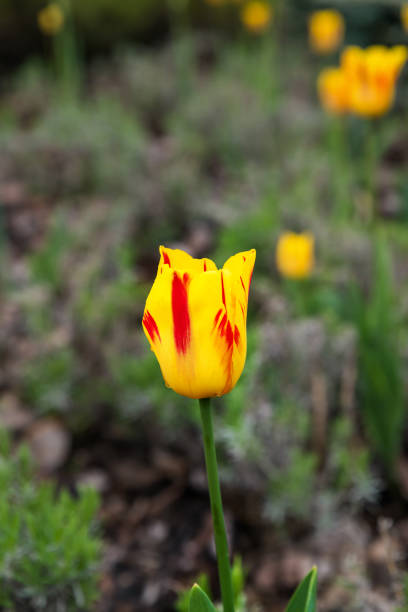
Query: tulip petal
[(241, 266), (220, 339), (179, 260)]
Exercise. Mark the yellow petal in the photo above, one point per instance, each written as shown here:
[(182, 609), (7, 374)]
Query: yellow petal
[(241, 266), (333, 90), (178, 259)]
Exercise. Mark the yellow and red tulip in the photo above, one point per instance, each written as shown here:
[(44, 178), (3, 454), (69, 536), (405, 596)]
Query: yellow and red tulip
[(195, 321), (326, 31)]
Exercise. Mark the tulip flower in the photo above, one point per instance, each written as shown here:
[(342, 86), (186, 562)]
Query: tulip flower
[(372, 74), (195, 321), (50, 19), (333, 88), (256, 16), (295, 255), (326, 31)]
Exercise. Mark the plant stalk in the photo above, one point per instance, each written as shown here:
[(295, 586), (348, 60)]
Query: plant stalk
[(220, 534)]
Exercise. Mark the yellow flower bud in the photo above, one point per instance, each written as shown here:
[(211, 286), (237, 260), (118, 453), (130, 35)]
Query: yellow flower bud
[(332, 88), (256, 16), (295, 255), (50, 19), (195, 321), (326, 31)]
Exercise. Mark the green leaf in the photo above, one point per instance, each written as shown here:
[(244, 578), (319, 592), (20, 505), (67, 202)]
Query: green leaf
[(199, 601), (304, 598)]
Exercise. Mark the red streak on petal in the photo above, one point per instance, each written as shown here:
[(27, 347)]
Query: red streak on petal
[(237, 335), (250, 279), (181, 316), (166, 259), (205, 266), (244, 258), (242, 310), (186, 278), (242, 283), (217, 316), (382, 80), (221, 327), (223, 290), (150, 326), (229, 336)]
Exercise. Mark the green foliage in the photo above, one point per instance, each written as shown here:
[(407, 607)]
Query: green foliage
[(350, 464), (47, 263), (238, 584), (48, 381), (49, 550), (183, 600), (96, 141), (199, 601), (292, 490), (382, 392), (117, 294), (404, 607), (215, 129), (254, 230), (304, 598)]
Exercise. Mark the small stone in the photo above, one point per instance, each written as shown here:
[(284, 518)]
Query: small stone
[(265, 577), (94, 478), (50, 443), (293, 568), (378, 562), (12, 416)]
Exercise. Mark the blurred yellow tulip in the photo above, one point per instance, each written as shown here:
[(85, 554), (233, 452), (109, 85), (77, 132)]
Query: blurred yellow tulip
[(295, 255), (332, 88), (256, 16), (50, 19), (195, 321), (326, 31), (371, 75), (404, 16)]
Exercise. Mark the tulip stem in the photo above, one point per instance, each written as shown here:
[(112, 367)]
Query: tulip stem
[(220, 534), (340, 170)]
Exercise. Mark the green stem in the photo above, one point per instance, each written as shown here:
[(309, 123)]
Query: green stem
[(371, 158), (220, 534), (339, 169)]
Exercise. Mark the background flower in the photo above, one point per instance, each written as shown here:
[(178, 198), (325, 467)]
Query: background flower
[(50, 19), (326, 31), (295, 255), (256, 16)]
